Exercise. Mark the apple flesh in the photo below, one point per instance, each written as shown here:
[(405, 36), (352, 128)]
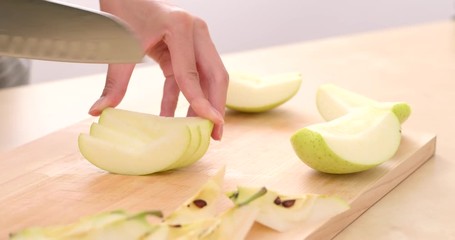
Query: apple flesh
[(333, 101), (197, 217), (201, 205), (200, 130), (355, 142), (251, 93), (236, 221), (133, 227), (97, 226), (131, 143), (286, 212)]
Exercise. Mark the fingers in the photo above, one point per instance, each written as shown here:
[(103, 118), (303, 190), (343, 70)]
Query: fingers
[(181, 48), (213, 75), (118, 76), (170, 98)]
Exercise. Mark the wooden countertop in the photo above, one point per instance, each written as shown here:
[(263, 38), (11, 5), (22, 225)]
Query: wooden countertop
[(414, 64)]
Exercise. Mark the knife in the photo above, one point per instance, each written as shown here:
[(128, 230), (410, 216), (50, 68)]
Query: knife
[(49, 30)]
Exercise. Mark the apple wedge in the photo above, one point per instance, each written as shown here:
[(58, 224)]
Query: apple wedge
[(131, 143), (333, 101), (143, 159), (251, 93), (355, 142), (285, 212), (200, 130)]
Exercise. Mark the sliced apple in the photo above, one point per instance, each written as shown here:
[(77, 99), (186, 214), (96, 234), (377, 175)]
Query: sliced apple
[(133, 227), (89, 226), (333, 101), (284, 212), (354, 142), (200, 206), (111, 135), (80, 227), (157, 232), (132, 143), (205, 131), (233, 223), (251, 93), (236, 221), (189, 231), (200, 130), (139, 160)]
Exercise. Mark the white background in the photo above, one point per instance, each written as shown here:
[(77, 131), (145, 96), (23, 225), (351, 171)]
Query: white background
[(238, 25)]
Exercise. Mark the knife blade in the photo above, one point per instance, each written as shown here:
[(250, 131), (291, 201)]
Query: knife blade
[(49, 30)]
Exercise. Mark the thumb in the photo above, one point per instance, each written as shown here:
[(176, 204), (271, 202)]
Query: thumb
[(117, 79)]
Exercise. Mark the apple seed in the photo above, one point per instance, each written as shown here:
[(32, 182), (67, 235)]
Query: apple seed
[(200, 203), (288, 203), (277, 201)]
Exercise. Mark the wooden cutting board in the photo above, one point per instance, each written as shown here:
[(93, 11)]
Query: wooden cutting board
[(48, 182)]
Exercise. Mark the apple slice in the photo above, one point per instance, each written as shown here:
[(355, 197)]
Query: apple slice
[(284, 212), (333, 101), (193, 230), (250, 93), (200, 130), (351, 143), (133, 143), (109, 134), (85, 227), (133, 227), (205, 129), (200, 206), (74, 229), (157, 232), (236, 221), (135, 160), (233, 223)]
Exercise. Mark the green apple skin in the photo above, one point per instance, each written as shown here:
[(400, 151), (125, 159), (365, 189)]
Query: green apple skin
[(355, 142), (402, 111), (319, 156)]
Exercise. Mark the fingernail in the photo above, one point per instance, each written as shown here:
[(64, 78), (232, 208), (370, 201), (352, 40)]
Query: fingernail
[(94, 110), (217, 115)]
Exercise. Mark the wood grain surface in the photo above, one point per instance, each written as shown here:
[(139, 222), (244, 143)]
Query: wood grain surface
[(48, 182)]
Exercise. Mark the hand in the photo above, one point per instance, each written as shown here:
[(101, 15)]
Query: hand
[(182, 46)]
